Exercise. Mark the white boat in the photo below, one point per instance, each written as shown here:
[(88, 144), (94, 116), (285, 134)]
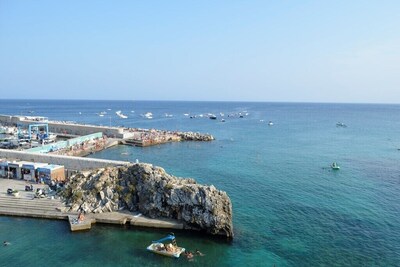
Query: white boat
[(119, 114), (334, 166), (270, 123), (148, 115), (169, 249), (6, 130)]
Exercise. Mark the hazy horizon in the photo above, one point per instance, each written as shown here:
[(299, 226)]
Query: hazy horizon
[(222, 101), (253, 51)]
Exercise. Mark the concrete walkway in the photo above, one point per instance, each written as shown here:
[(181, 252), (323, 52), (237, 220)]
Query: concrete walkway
[(25, 205)]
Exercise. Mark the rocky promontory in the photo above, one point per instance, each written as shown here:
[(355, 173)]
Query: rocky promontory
[(154, 193)]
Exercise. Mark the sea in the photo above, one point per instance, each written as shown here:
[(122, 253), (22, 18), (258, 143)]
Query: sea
[(289, 207)]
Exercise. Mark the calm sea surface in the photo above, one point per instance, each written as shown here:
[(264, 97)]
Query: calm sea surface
[(289, 208)]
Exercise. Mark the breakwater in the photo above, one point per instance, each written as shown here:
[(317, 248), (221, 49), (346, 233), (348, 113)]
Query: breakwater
[(129, 136), (65, 127), (70, 163)]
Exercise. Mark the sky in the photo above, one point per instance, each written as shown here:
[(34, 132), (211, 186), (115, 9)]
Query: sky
[(284, 51)]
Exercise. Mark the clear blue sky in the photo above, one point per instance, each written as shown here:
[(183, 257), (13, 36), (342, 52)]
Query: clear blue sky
[(302, 51)]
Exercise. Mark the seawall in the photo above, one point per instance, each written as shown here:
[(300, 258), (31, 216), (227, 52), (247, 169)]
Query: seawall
[(66, 127), (70, 163)]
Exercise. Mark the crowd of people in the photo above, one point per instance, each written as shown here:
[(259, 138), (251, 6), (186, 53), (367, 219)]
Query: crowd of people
[(153, 136)]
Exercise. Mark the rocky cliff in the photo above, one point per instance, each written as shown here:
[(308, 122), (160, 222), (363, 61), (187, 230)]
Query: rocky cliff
[(151, 191)]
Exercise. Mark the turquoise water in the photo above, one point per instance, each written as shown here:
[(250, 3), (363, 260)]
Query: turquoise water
[(289, 208)]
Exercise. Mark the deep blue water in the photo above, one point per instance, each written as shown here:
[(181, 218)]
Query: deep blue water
[(289, 208)]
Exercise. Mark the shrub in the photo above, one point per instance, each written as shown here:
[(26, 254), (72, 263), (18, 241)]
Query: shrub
[(169, 186)]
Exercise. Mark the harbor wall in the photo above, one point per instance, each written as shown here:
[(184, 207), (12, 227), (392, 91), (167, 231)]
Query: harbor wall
[(70, 163), (64, 127)]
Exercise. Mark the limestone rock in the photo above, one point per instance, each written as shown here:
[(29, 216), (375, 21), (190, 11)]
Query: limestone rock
[(151, 191)]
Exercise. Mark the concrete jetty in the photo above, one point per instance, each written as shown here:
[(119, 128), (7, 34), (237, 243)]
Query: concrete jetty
[(128, 136), (25, 205)]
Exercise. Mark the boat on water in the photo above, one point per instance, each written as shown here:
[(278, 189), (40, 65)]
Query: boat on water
[(119, 114), (270, 123), (213, 117), (341, 124), (334, 166), (166, 247), (147, 115)]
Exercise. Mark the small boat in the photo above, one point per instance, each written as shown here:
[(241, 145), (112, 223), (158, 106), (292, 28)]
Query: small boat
[(119, 114), (166, 246), (334, 166), (341, 124), (223, 120), (270, 123), (148, 115), (213, 117)]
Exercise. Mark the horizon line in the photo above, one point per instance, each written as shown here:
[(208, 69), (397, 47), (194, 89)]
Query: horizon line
[(216, 101)]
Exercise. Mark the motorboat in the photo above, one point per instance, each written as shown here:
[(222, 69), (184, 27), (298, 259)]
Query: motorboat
[(119, 114), (270, 123), (166, 247), (213, 117), (334, 166), (341, 124), (148, 115)]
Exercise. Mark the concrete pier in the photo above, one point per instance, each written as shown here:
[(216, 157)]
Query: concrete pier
[(25, 205), (69, 162)]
